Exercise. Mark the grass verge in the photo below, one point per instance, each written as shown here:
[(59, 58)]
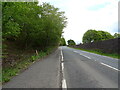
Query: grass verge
[(9, 72), (113, 55)]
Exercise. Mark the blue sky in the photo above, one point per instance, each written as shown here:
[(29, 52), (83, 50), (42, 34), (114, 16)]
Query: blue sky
[(98, 6), (87, 14)]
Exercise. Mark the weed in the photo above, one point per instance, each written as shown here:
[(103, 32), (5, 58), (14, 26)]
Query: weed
[(9, 72)]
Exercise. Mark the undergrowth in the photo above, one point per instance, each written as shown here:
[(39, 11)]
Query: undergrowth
[(9, 72)]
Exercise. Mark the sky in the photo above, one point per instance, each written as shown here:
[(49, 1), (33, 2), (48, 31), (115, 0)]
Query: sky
[(87, 14)]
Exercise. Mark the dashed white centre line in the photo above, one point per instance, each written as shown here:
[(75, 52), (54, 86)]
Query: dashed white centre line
[(64, 85), (62, 66), (85, 56), (75, 51), (61, 55), (82, 54), (100, 62), (110, 66)]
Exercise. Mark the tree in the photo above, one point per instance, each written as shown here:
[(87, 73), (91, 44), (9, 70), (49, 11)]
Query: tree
[(91, 36), (71, 42), (94, 36), (31, 25), (105, 35), (116, 35), (62, 42)]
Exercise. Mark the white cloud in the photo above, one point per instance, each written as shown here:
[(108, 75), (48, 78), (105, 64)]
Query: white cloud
[(87, 14)]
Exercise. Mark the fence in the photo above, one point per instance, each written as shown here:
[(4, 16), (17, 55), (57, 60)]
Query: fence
[(107, 46)]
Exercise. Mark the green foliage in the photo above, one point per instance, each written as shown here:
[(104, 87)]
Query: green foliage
[(91, 36), (71, 42), (94, 36), (8, 72), (32, 25), (116, 35), (41, 54), (62, 42), (105, 35), (33, 58)]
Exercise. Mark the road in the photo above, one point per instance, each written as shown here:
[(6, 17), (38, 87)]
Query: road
[(69, 68)]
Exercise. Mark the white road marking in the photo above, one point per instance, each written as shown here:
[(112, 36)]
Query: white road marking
[(85, 56), (110, 66), (75, 51), (96, 60), (62, 58), (61, 52), (82, 54), (64, 85), (62, 66), (101, 63), (61, 55), (98, 55)]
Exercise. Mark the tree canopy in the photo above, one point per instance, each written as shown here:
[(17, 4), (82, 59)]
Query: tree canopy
[(71, 42), (116, 35), (62, 42), (32, 25), (105, 35), (94, 36)]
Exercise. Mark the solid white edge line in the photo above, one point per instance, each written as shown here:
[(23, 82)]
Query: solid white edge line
[(110, 66), (64, 85)]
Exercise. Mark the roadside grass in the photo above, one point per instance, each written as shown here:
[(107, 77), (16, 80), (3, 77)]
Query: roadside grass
[(113, 55), (9, 72)]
